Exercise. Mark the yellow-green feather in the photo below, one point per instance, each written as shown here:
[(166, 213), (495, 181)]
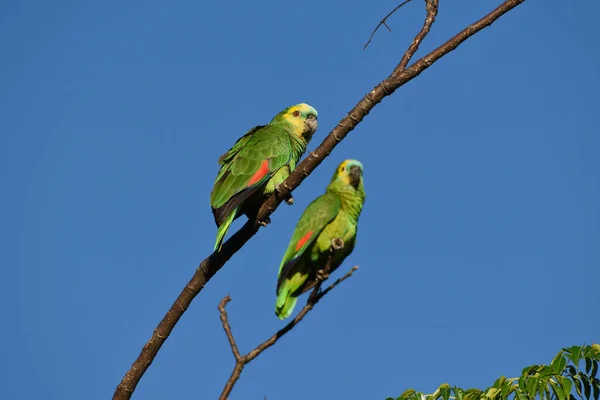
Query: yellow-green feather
[(222, 230)]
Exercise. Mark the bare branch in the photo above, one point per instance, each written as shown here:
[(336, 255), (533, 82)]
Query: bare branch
[(212, 264), (241, 362), (227, 327), (383, 22), (431, 6), (338, 281)]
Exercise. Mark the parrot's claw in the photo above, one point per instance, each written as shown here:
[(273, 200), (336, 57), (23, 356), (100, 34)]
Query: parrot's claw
[(337, 244), (287, 198), (322, 275), (265, 222)]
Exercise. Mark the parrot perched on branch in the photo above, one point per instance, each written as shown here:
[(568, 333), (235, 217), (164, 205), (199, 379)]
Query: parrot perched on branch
[(325, 233), (258, 163)]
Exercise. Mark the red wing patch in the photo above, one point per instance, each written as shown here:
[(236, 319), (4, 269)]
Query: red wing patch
[(303, 240), (258, 175)]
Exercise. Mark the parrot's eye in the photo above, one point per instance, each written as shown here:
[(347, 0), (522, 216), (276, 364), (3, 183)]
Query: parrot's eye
[(296, 113)]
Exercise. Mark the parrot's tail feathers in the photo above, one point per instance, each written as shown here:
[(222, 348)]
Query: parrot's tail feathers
[(222, 231), (285, 304), (285, 270), (223, 213)]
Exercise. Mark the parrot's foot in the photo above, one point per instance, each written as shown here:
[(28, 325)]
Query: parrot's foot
[(322, 275), (337, 244), (289, 200), (265, 222)]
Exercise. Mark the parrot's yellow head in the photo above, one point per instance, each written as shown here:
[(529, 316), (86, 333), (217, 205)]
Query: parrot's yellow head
[(349, 173), (301, 118)]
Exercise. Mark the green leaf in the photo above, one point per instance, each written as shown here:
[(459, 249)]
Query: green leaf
[(499, 382), (575, 354), (594, 369), (458, 393), (588, 365), (492, 392), (522, 382), (532, 369), (532, 385), (596, 385), (472, 394), (548, 371), (519, 395), (566, 385), (558, 364), (445, 391), (507, 389), (406, 394), (558, 391)]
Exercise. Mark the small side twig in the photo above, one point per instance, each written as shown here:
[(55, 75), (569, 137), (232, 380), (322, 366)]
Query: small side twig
[(383, 22), (241, 361), (227, 327)]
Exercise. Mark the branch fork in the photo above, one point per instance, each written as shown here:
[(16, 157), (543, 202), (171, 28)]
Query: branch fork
[(313, 298)]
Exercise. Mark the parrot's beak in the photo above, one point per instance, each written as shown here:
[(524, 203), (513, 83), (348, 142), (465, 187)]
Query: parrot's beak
[(355, 173), (310, 125)]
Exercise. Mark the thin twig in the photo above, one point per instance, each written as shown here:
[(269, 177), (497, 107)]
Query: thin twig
[(227, 327), (312, 300), (212, 264), (241, 362), (382, 22)]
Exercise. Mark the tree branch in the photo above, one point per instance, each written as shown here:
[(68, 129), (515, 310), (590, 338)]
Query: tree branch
[(240, 362), (212, 264)]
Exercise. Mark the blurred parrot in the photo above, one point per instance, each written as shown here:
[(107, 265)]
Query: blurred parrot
[(258, 163), (329, 218)]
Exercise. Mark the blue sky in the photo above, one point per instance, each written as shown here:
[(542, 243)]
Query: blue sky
[(478, 243)]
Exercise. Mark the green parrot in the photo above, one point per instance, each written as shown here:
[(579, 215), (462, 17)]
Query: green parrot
[(333, 215), (258, 163)]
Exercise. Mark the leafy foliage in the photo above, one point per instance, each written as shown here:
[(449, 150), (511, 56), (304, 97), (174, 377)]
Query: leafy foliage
[(563, 379)]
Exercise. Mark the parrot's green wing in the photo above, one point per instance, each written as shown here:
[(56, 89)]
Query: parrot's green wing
[(239, 144), (247, 166), (314, 219)]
